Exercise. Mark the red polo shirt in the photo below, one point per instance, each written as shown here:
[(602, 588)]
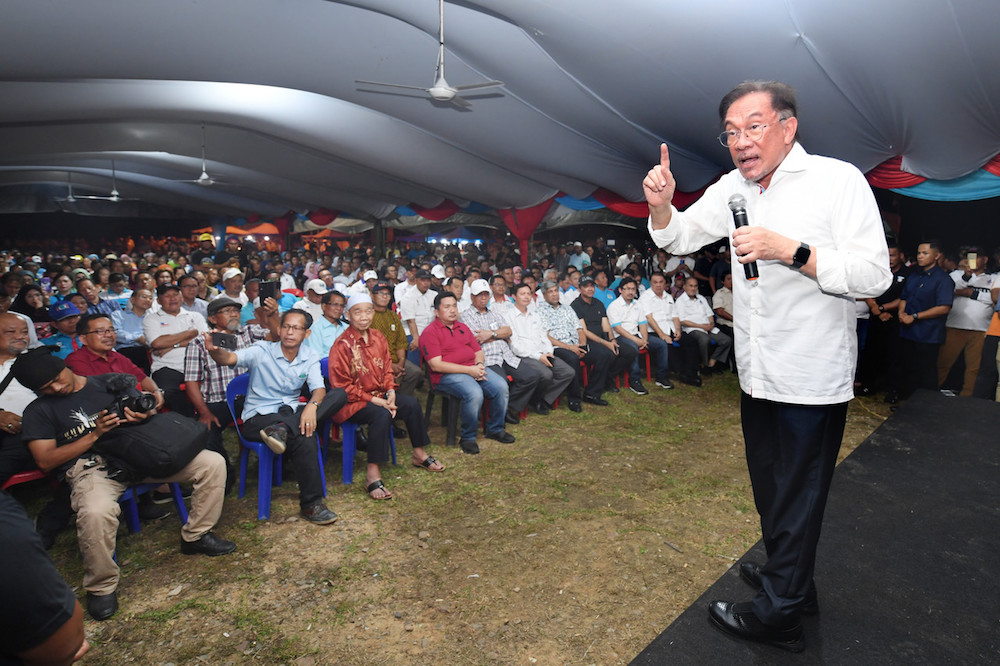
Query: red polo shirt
[(456, 344), (86, 363)]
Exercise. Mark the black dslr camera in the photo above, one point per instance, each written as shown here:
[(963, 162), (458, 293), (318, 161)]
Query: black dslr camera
[(126, 395)]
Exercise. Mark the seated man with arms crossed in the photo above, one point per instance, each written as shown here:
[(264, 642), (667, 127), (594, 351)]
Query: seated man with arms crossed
[(168, 331), (61, 428), (457, 367), (360, 364), (277, 372)]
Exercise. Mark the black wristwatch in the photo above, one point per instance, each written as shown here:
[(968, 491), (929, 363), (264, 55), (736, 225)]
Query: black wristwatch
[(801, 256)]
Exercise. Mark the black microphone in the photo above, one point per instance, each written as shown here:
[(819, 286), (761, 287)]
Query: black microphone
[(738, 205)]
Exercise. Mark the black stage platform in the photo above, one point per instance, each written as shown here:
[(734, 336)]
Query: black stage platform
[(909, 559)]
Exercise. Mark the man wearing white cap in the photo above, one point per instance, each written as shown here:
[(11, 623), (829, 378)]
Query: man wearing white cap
[(437, 277), (361, 364), (232, 281), (364, 285), (313, 302), (579, 259)]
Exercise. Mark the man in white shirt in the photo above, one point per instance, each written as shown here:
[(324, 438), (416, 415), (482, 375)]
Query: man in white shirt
[(628, 322), (417, 311), (232, 282), (313, 301), (698, 321), (500, 300), (968, 319), (168, 332), (816, 236), (531, 344), (399, 293), (662, 324)]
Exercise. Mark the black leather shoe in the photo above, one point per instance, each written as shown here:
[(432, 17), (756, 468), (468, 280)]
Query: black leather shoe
[(208, 544), (739, 620), (102, 607), (399, 433), (501, 436), (891, 398), (575, 406), (599, 401), (319, 514), (691, 380), (512, 418), (612, 389), (542, 408), (150, 512), (469, 446), (750, 573)]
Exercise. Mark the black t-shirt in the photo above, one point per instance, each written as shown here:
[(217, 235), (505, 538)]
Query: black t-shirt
[(199, 257), (895, 289), (36, 601), (67, 418), (222, 256), (592, 315)]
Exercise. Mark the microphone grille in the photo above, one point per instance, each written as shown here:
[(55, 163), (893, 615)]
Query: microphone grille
[(737, 202)]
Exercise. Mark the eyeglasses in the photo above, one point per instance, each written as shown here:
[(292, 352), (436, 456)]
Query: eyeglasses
[(100, 331), (336, 305), (730, 138), (291, 327)]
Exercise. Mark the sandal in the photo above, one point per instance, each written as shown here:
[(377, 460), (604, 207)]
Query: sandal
[(378, 485), (427, 462)]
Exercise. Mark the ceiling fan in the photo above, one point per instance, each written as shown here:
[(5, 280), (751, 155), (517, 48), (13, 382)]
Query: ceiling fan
[(114, 196), (204, 179), (441, 90)]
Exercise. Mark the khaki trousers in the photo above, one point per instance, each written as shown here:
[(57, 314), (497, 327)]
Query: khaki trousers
[(94, 497), (965, 342)]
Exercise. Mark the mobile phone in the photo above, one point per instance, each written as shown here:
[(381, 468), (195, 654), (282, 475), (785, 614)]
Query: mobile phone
[(224, 340), (973, 261), (270, 289), (46, 284)]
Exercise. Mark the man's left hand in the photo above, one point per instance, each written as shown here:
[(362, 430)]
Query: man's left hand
[(760, 244)]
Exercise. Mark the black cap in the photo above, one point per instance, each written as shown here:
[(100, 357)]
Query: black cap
[(36, 368), (423, 273), (380, 286), (164, 288), (222, 302), (586, 279)]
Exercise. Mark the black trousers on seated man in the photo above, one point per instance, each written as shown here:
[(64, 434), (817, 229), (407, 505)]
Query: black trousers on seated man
[(303, 450), (170, 381), (599, 361), (379, 424), (791, 454)]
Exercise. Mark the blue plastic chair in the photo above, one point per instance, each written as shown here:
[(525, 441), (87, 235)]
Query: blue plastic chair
[(130, 506), (348, 433)]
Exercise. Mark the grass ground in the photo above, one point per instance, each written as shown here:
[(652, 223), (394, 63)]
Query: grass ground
[(578, 544)]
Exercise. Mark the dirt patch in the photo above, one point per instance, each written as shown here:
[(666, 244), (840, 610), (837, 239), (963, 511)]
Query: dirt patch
[(578, 544)]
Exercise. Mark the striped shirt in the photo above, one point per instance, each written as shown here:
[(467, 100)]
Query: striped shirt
[(214, 378)]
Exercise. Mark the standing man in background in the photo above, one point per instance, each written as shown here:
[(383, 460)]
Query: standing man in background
[(816, 236)]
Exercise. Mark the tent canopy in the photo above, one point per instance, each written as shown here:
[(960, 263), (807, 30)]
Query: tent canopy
[(590, 89)]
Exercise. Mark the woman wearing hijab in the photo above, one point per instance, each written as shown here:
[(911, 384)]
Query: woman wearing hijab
[(30, 301)]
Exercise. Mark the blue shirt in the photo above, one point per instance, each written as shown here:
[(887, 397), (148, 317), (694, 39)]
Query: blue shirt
[(605, 296), (248, 311), (921, 291), (274, 381), (323, 335), (64, 344), (128, 328)]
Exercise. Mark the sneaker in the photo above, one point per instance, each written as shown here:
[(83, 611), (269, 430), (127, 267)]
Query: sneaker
[(160, 497), (469, 446), (150, 512), (501, 436), (664, 383), (208, 544), (275, 437), (636, 387), (318, 514), (48, 537)]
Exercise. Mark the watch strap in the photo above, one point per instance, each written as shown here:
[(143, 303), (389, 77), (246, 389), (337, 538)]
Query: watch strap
[(801, 256)]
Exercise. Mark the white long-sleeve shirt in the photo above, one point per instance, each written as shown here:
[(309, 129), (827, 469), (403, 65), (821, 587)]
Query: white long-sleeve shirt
[(528, 337), (795, 335)]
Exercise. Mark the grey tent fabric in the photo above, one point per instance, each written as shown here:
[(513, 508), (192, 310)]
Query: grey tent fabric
[(590, 89)]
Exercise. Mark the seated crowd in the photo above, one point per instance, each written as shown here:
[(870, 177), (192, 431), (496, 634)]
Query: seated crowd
[(336, 337)]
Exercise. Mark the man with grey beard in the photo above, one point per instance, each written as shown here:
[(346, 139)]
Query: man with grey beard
[(205, 380)]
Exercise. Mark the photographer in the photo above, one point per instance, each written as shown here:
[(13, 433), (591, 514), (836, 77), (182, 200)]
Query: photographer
[(62, 427)]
